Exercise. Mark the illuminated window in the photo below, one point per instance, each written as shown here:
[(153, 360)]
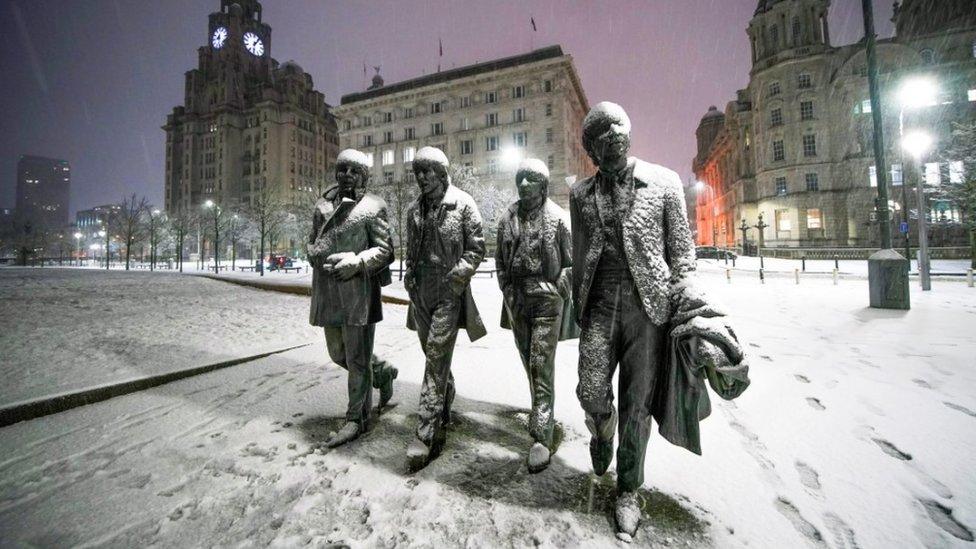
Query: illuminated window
[(813, 182), (956, 171), (873, 176), (408, 153), (897, 178), (814, 218), (783, 221), (866, 106), (971, 95), (932, 175), (781, 188), (388, 157)]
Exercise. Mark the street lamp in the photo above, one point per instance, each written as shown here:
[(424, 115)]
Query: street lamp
[(918, 143), (152, 239), (78, 246), (915, 93), (210, 205), (104, 234)]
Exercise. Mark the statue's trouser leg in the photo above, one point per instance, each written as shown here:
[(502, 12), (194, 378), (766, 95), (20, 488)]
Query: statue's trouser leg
[(351, 348), (381, 369), (536, 339), (642, 348), (436, 311), (598, 356)]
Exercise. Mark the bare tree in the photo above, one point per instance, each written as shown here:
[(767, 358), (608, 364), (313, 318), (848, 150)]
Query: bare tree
[(398, 196), (961, 189), (492, 201), (181, 224), (130, 223), (266, 215)]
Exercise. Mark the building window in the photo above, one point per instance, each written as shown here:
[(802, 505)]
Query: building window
[(779, 153), (518, 92), (781, 186), (873, 176), (548, 135), (388, 137), (388, 157), (492, 167), (369, 159), (783, 221), (774, 35), (408, 153), (774, 89), (466, 146), (388, 117), (809, 145), (491, 97), (367, 140), (465, 124), (813, 182), (804, 81), (776, 117), (814, 218), (549, 107), (971, 95), (932, 175), (796, 31), (928, 56), (408, 112), (388, 177), (520, 139), (956, 171), (550, 162), (806, 110), (491, 119), (437, 128), (547, 84), (367, 121), (518, 115), (435, 108), (347, 124), (896, 175), (866, 106), (465, 102), (491, 143)]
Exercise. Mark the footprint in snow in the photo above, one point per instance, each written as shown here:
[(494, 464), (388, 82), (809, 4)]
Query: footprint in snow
[(942, 516), (802, 525), (815, 404), (922, 383), (959, 408), (801, 378), (892, 450), (808, 476), (843, 534)]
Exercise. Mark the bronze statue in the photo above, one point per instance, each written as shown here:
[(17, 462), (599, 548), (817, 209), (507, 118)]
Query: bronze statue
[(350, 250), (444, 248), (533, 260), (633, 257)]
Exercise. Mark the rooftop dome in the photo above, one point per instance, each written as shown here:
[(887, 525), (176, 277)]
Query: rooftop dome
[(712, 113), (291, 64), (766, 5)]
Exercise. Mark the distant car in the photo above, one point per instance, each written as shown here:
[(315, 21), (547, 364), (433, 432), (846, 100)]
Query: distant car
[(711, 252)]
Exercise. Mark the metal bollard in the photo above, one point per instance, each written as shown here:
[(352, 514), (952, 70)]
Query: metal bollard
[(969, 278), (796, 274), (762, 276), (803, 260), (836, 263), (835, 277), (762, 263), (728, 275), (733, 261)]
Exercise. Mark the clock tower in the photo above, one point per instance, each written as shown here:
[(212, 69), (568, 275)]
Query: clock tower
[(248, 125)]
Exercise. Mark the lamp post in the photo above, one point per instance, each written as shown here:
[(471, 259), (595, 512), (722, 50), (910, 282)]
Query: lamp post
[(887, 269), (233, 243), (152, 239), (210, 205), (745, 236), (915, 93), (104, 234), (917, 143), (78, 247)]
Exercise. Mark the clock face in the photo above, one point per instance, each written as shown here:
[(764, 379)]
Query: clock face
[(219, 37), (253, 44)]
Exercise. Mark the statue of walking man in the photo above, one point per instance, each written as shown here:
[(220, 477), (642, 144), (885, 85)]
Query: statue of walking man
[(533, 260), (444, 248), (350, 249)]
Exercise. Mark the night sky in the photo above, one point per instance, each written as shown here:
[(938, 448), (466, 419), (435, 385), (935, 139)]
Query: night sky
[(92, 81)]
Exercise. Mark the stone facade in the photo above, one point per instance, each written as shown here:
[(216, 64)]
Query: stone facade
[(796, 145), (248, 122), (487, 116)]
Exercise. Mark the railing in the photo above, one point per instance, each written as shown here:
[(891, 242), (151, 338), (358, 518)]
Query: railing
[(948, 252)]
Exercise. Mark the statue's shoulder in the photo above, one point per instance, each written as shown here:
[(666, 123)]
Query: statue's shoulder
[(649, 175), (323, 205), (581, 187), (372, 203), (454, 195), (556, 212)]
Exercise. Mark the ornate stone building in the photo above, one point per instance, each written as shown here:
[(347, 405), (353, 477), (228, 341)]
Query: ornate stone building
[(796, 145), (247, 122), (487, 116)]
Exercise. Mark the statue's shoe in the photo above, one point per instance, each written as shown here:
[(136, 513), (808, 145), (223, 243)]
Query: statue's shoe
[(627, 512), (348, 433), (601, 453), (539, 457), (386, 388), (418, 455)]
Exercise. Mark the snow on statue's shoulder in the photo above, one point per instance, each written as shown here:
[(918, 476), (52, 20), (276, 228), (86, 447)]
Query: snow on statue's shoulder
[(613, 112), (654, 173), (431, 154)]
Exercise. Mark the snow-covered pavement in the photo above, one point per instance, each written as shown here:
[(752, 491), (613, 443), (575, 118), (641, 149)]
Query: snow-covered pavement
[(859, 431)]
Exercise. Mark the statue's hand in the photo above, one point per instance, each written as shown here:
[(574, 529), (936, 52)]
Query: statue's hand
[(348, 267)]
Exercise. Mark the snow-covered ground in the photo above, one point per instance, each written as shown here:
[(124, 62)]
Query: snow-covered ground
[(859, 431), (68, 329)]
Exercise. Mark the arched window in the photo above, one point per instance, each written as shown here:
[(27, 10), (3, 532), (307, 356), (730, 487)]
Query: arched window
[(796, 31), (774, 36)]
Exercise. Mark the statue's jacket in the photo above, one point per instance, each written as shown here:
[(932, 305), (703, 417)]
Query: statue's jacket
[(657, 238), (354, 226), (555, 250), (457, 246), (660, 253)]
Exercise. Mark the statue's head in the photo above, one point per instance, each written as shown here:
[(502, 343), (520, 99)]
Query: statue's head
[(351, 172), (606, 136), (532, 182), (430, 168)]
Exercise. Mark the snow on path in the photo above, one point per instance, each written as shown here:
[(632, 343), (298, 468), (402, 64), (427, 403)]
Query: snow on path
[(67, 329), (859, 431)]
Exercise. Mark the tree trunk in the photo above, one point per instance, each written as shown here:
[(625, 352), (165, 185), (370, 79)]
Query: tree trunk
[(972, 248), (261, 258)]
